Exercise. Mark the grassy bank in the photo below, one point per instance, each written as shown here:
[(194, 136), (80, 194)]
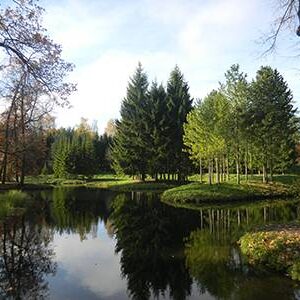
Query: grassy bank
[(25, 187), (277, 247), (102, 181), (188, 193), (196, 193)]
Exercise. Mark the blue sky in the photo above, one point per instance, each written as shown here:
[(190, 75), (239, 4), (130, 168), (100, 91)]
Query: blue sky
[(107, 39)]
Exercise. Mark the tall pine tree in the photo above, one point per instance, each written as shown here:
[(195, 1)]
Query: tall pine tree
[(157, 127), (130, 142), (272, 120), (179, 105)]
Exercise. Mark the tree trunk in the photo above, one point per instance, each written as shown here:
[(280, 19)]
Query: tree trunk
[(6, 145), (265, 174), (201, 174), (217, 170), (271, 169), (209, 172), (23, 159), (227, 169), (246, 165), (238, 180), (223, 169), (251, 164)]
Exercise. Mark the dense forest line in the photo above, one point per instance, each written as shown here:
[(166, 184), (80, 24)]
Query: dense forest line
[(242, 127)]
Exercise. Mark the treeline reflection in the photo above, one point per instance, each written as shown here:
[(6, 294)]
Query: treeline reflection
[(164, 251)]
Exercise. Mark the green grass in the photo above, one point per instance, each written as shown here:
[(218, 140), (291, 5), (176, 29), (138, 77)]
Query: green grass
[(277, 247), (193, 192), (103, 181), (283, 186), (126, 184)]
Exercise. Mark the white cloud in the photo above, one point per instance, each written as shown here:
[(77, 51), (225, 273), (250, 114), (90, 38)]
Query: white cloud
[(79, 27), (215, 28), (106, 40), (102, 84)]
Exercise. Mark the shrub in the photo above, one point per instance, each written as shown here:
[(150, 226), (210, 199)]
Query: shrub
[(277, 249)]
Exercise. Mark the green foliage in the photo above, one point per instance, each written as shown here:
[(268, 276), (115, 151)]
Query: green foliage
[(203, 132), (130, 142), (149, 133), (79, 151), (271, 121), (157, 127), (250, 126), (294, 271), (179, 105)]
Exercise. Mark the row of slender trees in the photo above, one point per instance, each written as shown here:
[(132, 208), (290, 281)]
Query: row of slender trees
[(249, 127), (243, 126)]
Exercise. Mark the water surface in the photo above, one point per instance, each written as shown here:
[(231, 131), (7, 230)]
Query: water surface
[(91, 244)]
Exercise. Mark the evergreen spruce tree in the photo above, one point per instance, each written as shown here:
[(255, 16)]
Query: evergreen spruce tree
[(130, 142), (61, 153), (74, 153), (272, 120), (179, 105), (157, 130), (102, 146)]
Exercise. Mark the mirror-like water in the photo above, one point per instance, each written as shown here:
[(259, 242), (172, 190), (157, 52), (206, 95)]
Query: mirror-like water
[(87, 244)]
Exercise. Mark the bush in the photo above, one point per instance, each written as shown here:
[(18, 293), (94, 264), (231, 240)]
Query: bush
[(294, 271), (277, 249)]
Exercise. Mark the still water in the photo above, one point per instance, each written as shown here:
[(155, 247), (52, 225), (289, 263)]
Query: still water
[(91, 244)]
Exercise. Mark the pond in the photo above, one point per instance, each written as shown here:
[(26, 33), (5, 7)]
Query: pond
[(76, 243)]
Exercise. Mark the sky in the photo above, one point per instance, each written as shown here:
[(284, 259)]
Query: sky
[(106, 39)]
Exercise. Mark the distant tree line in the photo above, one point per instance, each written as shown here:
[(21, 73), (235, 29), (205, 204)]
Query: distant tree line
[(78, 151)]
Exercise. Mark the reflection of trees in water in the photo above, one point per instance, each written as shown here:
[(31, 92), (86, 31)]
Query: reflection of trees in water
[(213, 258), (235, 221), (79, 210), (217, 267), (150, 239), (26, 259), (213, 263)]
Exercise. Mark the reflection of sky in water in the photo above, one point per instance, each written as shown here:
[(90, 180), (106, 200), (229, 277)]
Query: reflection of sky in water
[(90, 269), (87, 269)]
